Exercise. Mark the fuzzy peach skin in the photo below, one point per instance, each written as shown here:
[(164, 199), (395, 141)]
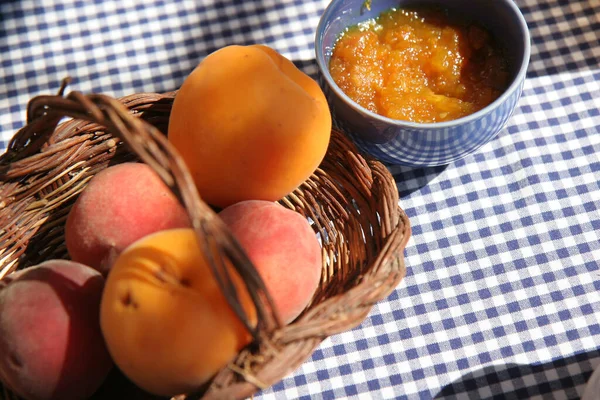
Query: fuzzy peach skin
[(249, 125), (51, 347), (167, 325), (283, 248), (120, 205)]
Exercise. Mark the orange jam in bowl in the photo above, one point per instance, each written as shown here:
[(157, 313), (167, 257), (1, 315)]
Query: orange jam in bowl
[(419, 65)]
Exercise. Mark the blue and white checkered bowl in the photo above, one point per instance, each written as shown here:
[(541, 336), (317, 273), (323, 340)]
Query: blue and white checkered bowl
[(420, 144)]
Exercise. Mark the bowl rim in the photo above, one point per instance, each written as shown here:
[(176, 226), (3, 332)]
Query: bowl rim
[(514, 86)]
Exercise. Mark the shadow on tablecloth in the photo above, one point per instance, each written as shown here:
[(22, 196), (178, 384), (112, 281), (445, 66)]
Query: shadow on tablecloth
[(409, 179), (562, 378)]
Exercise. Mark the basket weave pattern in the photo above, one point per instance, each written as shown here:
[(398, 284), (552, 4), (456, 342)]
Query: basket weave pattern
[(351, 199)]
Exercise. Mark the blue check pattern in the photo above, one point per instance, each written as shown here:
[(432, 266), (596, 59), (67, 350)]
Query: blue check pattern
[(502, 295)]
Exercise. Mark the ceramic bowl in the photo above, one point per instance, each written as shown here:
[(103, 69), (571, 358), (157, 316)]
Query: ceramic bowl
[(425, 144)]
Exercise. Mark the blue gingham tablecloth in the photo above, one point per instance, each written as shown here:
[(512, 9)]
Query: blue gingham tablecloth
[(502, 295)]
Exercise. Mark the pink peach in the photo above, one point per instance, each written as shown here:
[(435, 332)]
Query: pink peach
[(284, 249), (51, 346), (120, 205)]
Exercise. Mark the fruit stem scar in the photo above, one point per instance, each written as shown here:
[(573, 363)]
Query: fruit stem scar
[(185, 282), (127, 300), (15, 360)]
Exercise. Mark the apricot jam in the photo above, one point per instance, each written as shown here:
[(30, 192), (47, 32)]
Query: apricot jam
[(419, 65)]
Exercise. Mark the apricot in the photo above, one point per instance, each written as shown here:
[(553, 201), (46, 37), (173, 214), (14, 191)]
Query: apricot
[(51, 346), (166, 323), (283, 248), (121, 204), (249, 125)]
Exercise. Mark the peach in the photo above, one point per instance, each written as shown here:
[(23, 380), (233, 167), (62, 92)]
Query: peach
[(51, 346), (283, 248), (165, 320), (249, 125), (120, 205)]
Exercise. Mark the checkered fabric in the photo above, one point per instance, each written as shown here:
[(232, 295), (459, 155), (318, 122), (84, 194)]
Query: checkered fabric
[(502, 295)]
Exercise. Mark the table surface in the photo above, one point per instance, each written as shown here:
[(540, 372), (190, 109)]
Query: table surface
[(502, 294)]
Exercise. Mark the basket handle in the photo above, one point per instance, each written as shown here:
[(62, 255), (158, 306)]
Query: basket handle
[(152, 147)]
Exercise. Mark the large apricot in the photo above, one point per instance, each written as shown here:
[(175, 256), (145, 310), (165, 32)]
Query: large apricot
[(120, 205), (51, 347), (249, 124), (166, 323), (283, 248)]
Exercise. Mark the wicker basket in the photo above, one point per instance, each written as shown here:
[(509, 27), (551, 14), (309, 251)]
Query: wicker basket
[(352, 199)]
